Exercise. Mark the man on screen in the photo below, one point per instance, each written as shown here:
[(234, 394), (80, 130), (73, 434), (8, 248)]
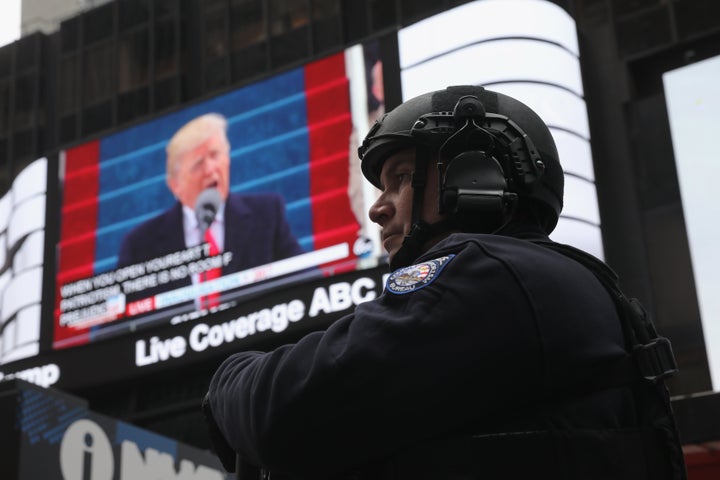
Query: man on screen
[(252, 227)]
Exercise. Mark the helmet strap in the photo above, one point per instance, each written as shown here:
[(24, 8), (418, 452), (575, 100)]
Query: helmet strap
[(420, 234), (421, 231), (419, 179)]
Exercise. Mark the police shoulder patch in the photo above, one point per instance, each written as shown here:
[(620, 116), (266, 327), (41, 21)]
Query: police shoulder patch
[(415, 277)]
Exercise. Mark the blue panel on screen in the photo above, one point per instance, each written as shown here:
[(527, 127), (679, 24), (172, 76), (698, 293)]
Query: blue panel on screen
[(276, 89)]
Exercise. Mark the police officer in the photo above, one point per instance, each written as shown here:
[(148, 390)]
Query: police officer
[(492, 353)]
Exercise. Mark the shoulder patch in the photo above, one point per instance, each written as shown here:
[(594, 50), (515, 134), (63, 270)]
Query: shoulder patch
[(415, 277)]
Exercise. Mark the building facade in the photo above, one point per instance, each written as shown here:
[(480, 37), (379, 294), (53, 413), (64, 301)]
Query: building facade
[(114, 65)]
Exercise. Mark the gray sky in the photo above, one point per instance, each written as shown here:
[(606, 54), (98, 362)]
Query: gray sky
[(9, 21)]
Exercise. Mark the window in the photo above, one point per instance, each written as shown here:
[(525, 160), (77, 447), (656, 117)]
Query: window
[(216, 74), (97, 118), (70, 84), (287, 15), (97, 73), (25, 93), (247, 23), (165, 7), (249, 62), (98, 24), (216, 44), (133, 60), (4, 107), (166, 93), (355, 20), (165, 48), (70, 34), (23, 149), (327, 32), (133, 13), (290, 32), (27, 52), (383, 14), (132, 105)]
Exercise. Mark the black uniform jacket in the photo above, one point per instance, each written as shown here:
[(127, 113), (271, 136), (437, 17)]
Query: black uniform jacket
[(485, 334)]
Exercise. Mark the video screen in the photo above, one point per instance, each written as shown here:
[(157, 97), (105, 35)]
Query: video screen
[(693, 105), (191, 213), (22, 250)]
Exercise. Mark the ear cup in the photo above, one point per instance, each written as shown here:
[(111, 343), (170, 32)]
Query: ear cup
[(474, 191)]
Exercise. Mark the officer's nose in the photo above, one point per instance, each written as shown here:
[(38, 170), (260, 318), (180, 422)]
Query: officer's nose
[(381, 211)]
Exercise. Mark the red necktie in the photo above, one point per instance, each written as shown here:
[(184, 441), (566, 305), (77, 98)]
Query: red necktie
[(212, 299)]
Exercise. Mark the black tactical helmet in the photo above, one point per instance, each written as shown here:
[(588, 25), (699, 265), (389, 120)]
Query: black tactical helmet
[(457, 127)]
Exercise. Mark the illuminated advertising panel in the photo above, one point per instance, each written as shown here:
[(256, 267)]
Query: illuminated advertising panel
[(22, 239), (133, 248), (693, 103), (526, 49)]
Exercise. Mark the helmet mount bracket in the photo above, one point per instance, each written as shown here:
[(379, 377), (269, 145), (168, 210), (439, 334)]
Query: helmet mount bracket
[(484, 159)]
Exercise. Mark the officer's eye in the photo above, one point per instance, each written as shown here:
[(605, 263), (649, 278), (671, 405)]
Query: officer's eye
[(396, 175), (402, 177), (397, 179)]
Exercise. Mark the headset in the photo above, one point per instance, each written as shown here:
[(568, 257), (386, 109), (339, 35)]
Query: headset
[(484, 162)]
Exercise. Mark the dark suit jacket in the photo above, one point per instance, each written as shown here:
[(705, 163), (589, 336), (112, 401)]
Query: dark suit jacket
[(256, 232)]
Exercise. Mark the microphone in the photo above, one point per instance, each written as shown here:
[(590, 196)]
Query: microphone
[(206, 207)]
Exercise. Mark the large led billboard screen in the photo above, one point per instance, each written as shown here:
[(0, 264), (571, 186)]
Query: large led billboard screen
[(126, 257), (135, 289)]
